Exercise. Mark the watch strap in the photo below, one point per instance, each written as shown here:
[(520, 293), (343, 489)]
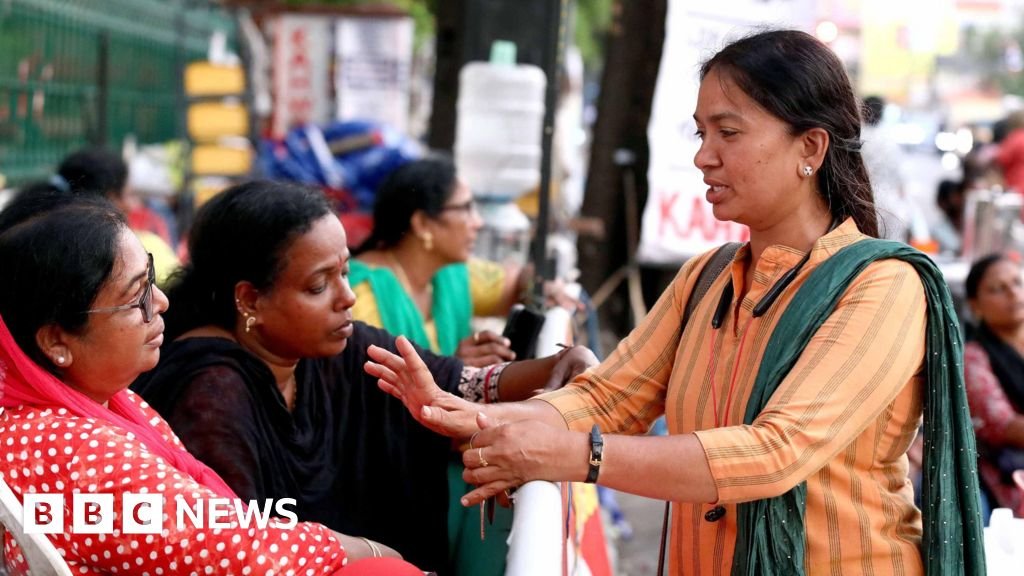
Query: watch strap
[(596, 454)]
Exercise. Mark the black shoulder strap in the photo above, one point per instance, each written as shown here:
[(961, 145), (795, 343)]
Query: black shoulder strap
[(708, 274)]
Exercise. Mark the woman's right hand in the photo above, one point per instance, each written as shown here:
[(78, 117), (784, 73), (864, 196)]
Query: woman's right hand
[(507, 455), (407, 378)]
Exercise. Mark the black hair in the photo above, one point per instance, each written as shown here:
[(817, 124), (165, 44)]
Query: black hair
[(799, 80), (1000, 129), (240, 235), (947, 189), (946, 196), (95, 171), (54, 264), (978, 271), (424, 184), (33, 199)]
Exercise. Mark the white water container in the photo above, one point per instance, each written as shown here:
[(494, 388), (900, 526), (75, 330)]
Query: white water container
[(498, 131), (505, 235)]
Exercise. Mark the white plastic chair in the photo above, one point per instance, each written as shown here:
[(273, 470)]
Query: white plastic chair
[(42, 557)]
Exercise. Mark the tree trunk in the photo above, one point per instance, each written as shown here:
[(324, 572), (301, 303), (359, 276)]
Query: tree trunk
[(624, 109)]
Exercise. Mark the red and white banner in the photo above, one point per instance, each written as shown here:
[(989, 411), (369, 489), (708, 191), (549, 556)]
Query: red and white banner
[(677, 221), (300, 71)]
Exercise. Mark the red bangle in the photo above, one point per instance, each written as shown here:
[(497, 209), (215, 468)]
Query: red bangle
[(487, 382)]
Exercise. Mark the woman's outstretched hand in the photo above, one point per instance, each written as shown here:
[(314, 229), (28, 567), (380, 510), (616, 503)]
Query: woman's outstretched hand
[(507, 455), (407, 378)]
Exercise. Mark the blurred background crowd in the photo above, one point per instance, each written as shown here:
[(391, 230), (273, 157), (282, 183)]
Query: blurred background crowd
[(568, 121)]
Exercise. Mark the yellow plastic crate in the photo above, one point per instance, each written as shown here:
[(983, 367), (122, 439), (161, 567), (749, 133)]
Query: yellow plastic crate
[(206, 79), (208, 121), (214, 160)]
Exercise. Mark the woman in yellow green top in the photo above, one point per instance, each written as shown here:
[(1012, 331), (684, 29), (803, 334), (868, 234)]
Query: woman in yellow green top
[(414, 277)]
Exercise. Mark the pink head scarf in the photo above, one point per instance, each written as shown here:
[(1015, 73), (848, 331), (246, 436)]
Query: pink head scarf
[(25, 383)]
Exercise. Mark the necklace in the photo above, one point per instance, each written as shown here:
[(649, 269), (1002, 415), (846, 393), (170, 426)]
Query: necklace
[(403, 278)]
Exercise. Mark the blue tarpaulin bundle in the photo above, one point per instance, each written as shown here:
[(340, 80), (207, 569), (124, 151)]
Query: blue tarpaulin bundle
[(352, 156)]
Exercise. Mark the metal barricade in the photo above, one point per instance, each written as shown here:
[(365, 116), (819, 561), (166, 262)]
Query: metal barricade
[(536, 540), (545, 537)]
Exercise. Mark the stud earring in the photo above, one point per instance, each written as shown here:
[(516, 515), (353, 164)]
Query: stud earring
[(60, 360), (250, 321), (808, 170)]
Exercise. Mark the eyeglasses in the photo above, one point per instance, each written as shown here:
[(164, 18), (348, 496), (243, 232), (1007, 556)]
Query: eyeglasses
[(145, 302), (468, 207)]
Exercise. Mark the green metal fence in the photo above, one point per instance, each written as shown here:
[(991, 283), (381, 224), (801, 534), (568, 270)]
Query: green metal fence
[(78, 72)]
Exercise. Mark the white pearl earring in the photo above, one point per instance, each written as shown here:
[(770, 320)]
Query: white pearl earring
[(60, 360)]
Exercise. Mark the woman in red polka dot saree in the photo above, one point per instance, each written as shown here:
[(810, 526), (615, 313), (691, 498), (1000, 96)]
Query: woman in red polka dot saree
[(80, 319)]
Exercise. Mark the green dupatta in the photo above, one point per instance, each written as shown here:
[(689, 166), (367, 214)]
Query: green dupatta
[(771, 533), (452, 308)]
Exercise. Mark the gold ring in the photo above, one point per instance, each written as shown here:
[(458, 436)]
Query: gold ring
[(471, 438), (480, 455)]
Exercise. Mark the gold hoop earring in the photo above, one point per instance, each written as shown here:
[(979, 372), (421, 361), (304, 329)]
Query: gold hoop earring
[(250, 321)]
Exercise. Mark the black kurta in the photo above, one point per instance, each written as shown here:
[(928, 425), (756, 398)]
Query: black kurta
[(351, 455)]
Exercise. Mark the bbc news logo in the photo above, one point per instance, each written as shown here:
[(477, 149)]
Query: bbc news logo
[(144, 513)]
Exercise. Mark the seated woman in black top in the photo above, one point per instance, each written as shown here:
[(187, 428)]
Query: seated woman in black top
[(262, 376)]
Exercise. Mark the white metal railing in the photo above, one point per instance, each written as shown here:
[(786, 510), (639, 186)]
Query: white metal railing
[(536, 542)]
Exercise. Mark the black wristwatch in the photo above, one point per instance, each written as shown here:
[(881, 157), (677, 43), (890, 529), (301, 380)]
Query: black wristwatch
[(596, 453)]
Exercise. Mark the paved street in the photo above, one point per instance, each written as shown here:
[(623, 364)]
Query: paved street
[(638, 556)]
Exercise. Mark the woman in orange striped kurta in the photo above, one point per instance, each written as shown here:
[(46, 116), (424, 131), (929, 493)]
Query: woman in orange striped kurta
[(842, 420), (780, 131)]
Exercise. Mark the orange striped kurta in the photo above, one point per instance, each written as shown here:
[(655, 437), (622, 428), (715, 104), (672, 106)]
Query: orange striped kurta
[(842, 420)]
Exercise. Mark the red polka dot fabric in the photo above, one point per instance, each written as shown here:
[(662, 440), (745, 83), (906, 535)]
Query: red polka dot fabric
[(50, 451)]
